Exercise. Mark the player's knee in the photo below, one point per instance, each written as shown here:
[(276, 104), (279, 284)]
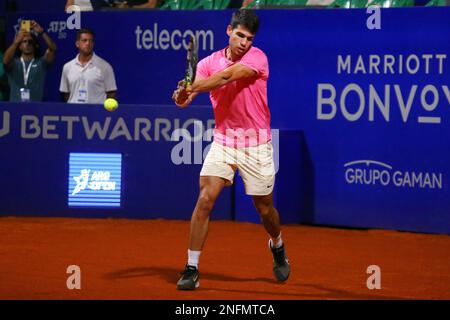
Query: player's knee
[(264, 209), (205, 203)]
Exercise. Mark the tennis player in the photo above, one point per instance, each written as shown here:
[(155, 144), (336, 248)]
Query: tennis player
[(236, 78)]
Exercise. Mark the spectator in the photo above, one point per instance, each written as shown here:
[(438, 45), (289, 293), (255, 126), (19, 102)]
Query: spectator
[(319, 3), (3, 83), (246, 3), (85, 5), (87, 78), (235, 4), (27, 70), (89, 5), (138, 4), (4, 88)]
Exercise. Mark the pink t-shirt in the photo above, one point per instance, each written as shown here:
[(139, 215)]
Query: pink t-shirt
[(240, 107)]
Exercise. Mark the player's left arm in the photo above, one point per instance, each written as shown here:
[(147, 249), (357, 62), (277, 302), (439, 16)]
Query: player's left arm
[(233, 73)]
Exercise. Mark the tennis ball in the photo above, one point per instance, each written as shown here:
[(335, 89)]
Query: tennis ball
[(111, 104)]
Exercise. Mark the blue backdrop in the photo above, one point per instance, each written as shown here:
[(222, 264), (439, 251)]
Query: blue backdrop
[(367, 110), (36, 140)]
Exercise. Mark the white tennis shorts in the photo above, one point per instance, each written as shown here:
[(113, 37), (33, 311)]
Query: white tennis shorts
[(255, 165)]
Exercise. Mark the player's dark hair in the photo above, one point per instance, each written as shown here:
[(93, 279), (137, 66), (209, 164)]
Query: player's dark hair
[(84, 30), (246, 18)]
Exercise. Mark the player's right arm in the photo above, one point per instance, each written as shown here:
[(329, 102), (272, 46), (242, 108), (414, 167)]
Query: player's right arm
[(181, 97)]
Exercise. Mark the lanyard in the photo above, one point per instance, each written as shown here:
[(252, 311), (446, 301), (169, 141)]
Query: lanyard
[(26, 71)]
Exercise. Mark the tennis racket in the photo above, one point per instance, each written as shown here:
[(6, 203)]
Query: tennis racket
[(192, 59)]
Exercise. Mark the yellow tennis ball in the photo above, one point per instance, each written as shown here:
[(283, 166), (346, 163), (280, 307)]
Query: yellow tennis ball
[(111, 104)]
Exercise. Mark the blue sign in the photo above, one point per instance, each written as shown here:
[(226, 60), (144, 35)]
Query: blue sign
[(160, 170), (95, 179), (365, 112), (326, 61)]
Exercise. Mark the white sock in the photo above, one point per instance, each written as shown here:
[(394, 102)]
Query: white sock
[(193, 257), (277, 242)]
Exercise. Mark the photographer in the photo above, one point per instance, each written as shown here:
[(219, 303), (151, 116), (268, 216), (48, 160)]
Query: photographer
[(25, 68)]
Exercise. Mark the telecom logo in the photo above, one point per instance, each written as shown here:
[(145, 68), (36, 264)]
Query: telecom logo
[(376, 173), (159, 38)]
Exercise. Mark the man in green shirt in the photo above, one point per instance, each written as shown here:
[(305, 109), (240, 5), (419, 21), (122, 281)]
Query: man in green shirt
[(25, 68), (2, 78)]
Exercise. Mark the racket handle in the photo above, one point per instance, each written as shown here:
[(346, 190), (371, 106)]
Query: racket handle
[(187, 81)]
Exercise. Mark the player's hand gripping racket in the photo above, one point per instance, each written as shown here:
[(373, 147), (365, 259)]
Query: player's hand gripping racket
[(192, 59)]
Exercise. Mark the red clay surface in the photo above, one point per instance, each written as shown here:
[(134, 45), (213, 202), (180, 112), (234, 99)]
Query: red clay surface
[(141, 259)]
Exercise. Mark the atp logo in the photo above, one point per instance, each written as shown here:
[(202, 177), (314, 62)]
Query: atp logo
[(73, 22), (4, 129), (17, 26)]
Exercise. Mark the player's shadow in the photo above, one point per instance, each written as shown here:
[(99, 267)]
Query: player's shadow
[(172, 275), (315, 292), (306, 290)]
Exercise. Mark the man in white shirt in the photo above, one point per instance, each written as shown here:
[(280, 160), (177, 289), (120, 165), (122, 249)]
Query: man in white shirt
[(85, 5), (87, 78)]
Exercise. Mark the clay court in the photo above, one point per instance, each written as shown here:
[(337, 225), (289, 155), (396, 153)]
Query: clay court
[(141, 259)]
